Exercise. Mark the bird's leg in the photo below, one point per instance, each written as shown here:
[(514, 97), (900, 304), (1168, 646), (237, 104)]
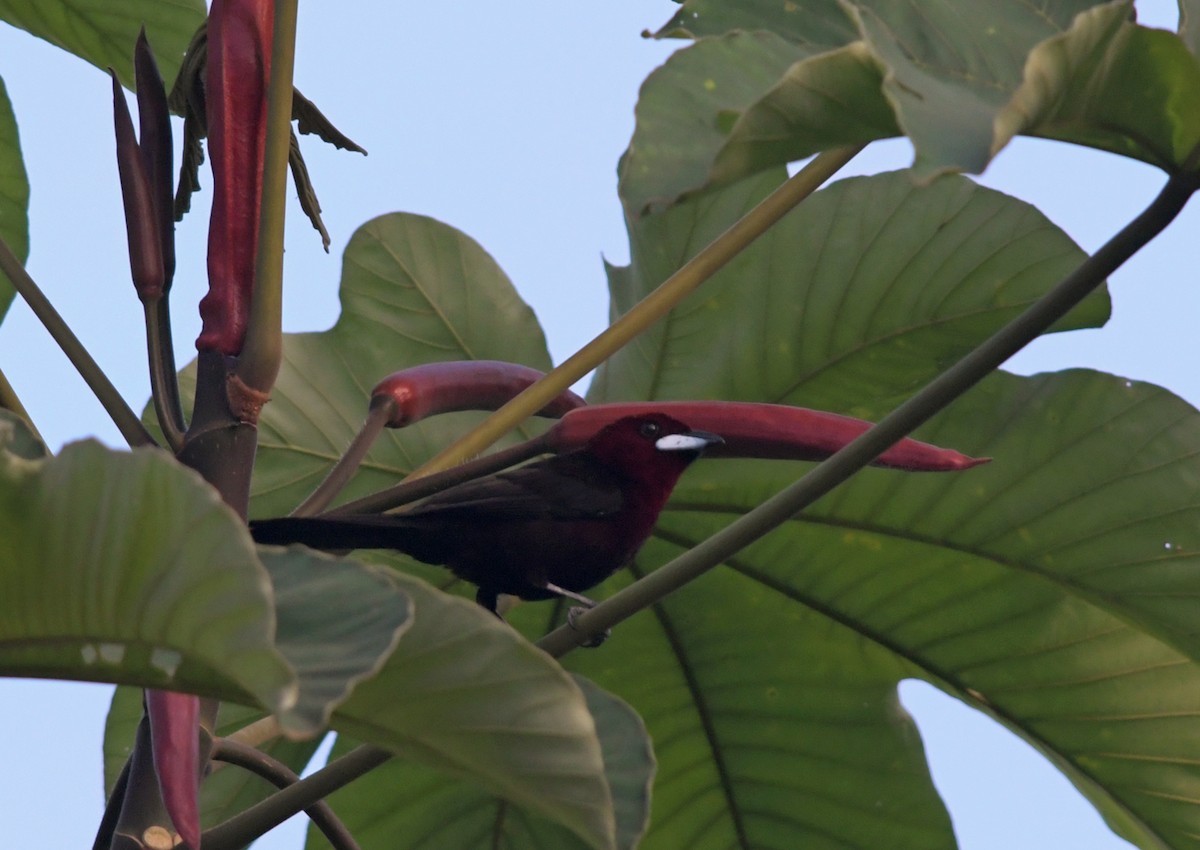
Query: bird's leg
[(574, 611), (488, 598), (570, 594)]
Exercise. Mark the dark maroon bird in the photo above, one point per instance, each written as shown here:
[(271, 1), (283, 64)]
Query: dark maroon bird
[(555, 527)]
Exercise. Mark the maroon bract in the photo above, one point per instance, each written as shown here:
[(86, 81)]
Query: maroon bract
[(154, 125), (239, 65), (433, 388), (174, 725), (753, 430), (137, 192)]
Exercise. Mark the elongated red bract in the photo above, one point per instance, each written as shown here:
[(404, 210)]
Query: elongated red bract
[(772, 431), (174, 739), (239, 65)]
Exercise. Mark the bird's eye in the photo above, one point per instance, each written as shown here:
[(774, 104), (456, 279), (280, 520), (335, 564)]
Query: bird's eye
[(649, 430)]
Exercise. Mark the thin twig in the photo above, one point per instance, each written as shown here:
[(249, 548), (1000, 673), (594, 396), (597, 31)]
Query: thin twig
[(341, 472), (418, 488), (648, 311), (282, 776), (164, 385), (936, 395), (257, 733), (122, 415), (255, 821)]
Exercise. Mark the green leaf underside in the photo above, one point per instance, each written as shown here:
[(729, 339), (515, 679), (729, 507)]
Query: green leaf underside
[(850, 303), (462, 692), (103, 32), (467, 695), (134, 608), (447, 812), (337, 622), (14, 195), (1054, 589), (959, 79)]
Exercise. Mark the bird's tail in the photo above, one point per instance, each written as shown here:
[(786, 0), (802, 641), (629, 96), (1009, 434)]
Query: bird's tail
[(338, 533)]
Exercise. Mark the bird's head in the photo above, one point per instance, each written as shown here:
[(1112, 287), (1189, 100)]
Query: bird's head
[(652, 444)]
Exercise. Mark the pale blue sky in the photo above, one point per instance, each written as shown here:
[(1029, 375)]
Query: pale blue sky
[(505, 120)]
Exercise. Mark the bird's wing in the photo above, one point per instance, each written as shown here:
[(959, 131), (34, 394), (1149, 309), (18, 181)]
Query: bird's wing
[(563, 487)]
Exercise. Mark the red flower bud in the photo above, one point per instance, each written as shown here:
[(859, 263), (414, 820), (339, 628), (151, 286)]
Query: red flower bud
[(433, 388), (154, 123), (141, 218)]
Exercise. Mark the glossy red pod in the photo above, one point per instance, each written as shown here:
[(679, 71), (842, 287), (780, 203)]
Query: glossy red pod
[(432, 388), (753, 430)]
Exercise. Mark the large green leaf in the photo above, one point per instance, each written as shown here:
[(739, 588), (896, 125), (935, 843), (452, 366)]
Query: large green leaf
[(853, 301), (959, 79), (687, 107), (467, 695), (103, 32), (1051, 589), (96, 585), (452, 813), (14, 194)]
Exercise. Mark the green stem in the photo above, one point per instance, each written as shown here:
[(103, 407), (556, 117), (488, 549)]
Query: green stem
[(123, 417), (255, 821), (648, 311), (281, 776), (164, 386), (936, 395), (341, 473), (262, 351), (9, 400)]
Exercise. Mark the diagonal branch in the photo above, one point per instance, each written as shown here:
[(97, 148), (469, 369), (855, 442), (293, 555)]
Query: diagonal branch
[(122, 415)]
